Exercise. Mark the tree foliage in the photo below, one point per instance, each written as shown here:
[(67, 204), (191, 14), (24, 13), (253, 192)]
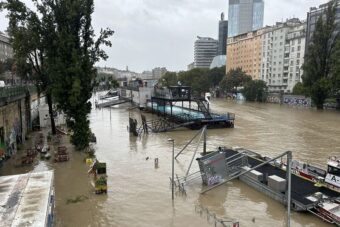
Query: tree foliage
[(7, 65), (234, 78), (32, 37), (335, 75), (298, 89), (200, 80), (318, 64), (215, 76), (168, 79), (73, 66), (57, 40), (197, 79), (255, 90)]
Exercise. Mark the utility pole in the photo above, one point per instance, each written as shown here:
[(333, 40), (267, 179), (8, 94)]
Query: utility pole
[(289, 176), (173, 171)]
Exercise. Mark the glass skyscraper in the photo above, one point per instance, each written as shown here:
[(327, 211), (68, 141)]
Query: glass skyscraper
[(245, 16)]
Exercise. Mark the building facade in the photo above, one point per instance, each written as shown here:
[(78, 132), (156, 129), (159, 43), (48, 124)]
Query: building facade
[(245, 51), (6, 50), (245, 16), (313, 16), (205, 51), (283, 47), (158, 72), (222, 36)]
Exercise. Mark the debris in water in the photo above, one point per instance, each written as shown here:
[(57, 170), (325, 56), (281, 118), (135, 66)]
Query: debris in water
[(77, 199)]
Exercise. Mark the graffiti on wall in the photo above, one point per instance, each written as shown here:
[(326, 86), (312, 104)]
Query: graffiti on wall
[(274, 99), (297, 101)]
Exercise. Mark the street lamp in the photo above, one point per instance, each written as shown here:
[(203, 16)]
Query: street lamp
[(173, 164)]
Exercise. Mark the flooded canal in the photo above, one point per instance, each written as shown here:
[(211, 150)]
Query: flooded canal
[(140, 195)]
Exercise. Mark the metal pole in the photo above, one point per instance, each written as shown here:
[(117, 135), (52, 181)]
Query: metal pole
[(289, 170), (173, 169), (205, 141), (198, 144), (198, 133)]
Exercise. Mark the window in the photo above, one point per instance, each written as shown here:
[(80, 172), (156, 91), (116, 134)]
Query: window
[(333, 170), (298, 55), (299, 41), (298, 62), (299, 48), (292, 49)]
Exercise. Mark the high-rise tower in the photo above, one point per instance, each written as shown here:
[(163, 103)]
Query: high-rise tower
[(205, 51), (222, 36), (245, 16)]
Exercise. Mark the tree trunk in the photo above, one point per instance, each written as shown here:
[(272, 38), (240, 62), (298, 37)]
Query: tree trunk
[(50, 110)]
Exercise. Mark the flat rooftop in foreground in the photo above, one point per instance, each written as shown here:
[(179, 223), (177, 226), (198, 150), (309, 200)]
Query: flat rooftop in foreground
[(26, 200)]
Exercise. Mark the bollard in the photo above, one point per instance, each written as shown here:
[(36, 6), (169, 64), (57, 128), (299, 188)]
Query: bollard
[(156, 163)]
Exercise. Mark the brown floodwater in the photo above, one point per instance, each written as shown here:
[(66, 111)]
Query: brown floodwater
[(140, 195)]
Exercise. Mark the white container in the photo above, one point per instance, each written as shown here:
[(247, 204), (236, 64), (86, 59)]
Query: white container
[(277, 183)]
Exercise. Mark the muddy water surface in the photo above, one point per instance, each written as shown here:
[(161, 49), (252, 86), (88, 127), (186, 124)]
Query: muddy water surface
[(139, 194)]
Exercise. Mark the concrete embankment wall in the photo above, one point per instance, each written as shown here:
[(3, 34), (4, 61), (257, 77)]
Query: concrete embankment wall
[(291, 100), (14, 125), (19, 106)]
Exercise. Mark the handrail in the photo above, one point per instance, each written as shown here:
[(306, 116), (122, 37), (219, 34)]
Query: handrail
[(6, 92)]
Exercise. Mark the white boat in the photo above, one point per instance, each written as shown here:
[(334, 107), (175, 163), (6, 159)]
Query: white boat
[(329, 178), (109, 94)]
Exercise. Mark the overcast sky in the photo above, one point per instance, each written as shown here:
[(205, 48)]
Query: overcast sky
[(152, 33)]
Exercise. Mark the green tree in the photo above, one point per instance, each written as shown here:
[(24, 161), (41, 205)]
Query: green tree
[(215, 76), (168, 79), (32, 36), (234, 78), (317, 66), (2, 67), (200, 80), (255, 90), (197, 78), (113, 82), (335, 75), (72, 69), (299, 89)]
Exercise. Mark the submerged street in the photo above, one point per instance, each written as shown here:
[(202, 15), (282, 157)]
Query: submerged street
[(139, 194)]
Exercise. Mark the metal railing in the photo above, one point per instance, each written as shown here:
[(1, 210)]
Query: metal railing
[(213, 219)]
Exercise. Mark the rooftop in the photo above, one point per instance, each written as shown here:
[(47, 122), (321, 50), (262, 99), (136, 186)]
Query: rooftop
[(25, 199)]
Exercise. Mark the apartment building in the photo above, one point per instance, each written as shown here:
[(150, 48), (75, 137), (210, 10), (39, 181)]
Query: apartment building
[(283, 47), (245, 51)]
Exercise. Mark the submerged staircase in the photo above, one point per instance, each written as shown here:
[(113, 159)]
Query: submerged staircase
[(235, 163), (202, 107)]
